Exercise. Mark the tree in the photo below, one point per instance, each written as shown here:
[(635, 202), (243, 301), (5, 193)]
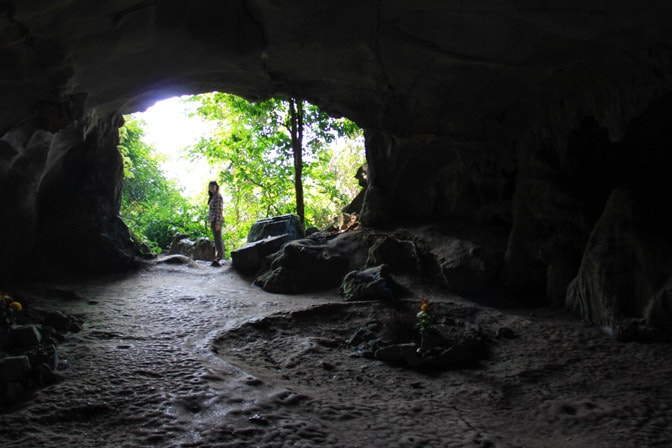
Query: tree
[(295, 118), (255, 142)]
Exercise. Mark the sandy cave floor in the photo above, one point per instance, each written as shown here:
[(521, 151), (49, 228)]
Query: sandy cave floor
[(194, 356)]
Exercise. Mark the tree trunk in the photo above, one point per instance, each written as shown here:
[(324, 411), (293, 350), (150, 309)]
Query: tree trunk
[(296, 119)]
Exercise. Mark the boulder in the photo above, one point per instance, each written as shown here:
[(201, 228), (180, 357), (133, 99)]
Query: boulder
[(369, 284), (398, 254), (463, 266), (399, 354), (59, 321), (23, 336), (289, 225), (14, 368), (250, 258), (303, 265), (201, 249)]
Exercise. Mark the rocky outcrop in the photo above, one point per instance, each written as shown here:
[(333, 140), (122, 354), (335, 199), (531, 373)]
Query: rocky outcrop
[(519, 115), (61, 196), (289, 225), (265, 237), (624, 268), (201, 249), (308, 265)]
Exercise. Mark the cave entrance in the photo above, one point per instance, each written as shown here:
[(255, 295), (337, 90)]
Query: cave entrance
[(174, 148)]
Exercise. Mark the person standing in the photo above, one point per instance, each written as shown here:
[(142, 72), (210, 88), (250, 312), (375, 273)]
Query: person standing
[(216, 218)]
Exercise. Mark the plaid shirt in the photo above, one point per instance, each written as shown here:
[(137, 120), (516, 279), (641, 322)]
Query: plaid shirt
[(215, 208)]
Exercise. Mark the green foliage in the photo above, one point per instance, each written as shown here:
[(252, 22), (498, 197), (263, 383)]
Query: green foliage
[(253, 148), (152, 206), (425, 316)]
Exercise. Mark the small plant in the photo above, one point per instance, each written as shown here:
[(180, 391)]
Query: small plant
[(425, 317), (8, 309)]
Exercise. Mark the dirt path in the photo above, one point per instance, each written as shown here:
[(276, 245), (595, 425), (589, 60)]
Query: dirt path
[(180, 356)]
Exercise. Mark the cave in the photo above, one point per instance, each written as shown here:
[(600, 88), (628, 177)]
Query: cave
[(549, 120), (546, 122)]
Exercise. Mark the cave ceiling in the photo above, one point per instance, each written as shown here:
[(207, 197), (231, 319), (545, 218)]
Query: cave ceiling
[(434, 67)]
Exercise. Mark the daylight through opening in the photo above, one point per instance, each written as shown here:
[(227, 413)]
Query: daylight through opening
[(276, 157)]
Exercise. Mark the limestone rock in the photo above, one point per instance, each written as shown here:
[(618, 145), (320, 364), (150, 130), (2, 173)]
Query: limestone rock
[(465, 267), (623, 268), (659, 313), (201, 249), (311, 264), (398, 254), (25, 336), (250, 258), (302, 266), (13, 368), (369, 284), (278, 225)]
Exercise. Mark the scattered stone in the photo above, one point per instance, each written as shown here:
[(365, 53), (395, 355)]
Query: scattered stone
[(44, 375), (33, 360), (399, 354), (14, 368), (44, 354), (23, 336), (450, 343), (58, 321)]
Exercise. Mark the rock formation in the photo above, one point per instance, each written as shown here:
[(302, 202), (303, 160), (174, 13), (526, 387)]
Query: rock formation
[(547, 119)]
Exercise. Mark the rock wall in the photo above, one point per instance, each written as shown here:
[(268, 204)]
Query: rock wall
[(525, 115), (61, 197)]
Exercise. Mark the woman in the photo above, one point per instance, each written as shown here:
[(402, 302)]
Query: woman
[(216, 218)]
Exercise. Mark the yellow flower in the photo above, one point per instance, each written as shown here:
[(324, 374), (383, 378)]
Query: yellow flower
[(423, 307), (15, 306)]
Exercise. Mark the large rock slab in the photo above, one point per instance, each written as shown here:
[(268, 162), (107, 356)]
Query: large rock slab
[(312, 264), (250, 258), (289, 225)]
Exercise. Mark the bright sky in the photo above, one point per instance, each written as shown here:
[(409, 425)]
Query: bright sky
[(170, 130)]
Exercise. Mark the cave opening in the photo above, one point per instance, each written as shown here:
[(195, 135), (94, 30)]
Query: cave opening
[(175, 147)]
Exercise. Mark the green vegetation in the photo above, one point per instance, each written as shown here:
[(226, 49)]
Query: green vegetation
[(273, 157), (151, 205)]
